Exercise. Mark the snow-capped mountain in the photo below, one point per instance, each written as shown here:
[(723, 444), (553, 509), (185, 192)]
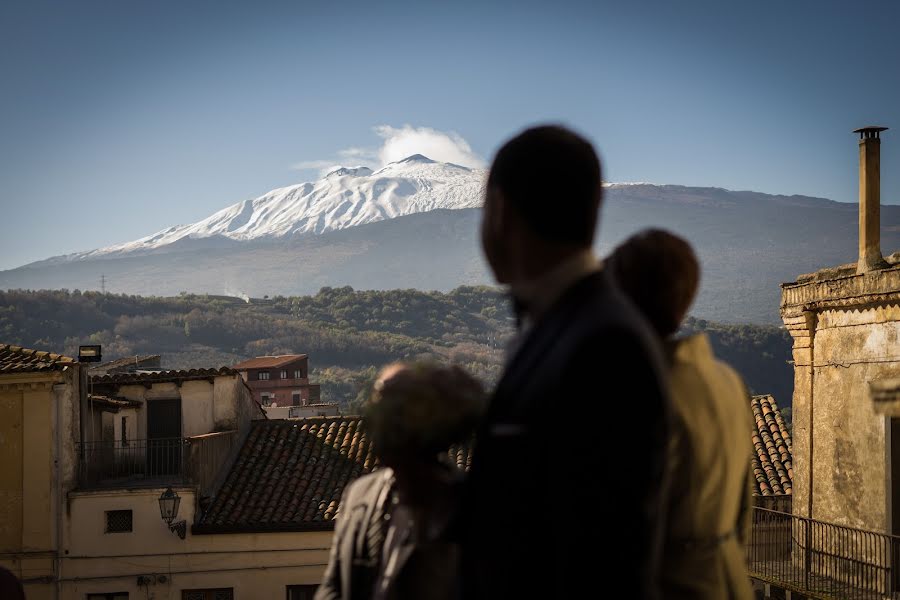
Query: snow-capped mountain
[(345, 197), (414, 224)]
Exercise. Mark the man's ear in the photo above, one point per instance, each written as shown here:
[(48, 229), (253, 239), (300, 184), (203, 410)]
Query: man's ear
[(505, 218)]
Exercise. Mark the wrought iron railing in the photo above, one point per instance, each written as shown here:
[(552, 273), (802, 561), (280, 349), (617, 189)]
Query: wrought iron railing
[(194, 460), (822, 559)]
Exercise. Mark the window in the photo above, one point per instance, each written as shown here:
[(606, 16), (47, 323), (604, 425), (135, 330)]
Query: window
[(301, 592), (214, 594), (298, 374), (266, 399), (109, 596), (295, 399), (124, 431), (284, 374), (118, 521), (262, 375)]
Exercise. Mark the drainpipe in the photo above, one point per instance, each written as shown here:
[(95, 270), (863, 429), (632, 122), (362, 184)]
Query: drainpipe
[(811, 323)]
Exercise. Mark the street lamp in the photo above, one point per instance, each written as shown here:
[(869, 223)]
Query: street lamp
[(168, 509)]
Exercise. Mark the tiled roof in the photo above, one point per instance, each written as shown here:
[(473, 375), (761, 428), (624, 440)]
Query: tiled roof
[(772, 461), (268, 362), (150, 377), (113, 403), (289, 475), (14, 359)]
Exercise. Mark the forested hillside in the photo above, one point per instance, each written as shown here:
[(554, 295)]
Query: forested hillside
[(348, 334)]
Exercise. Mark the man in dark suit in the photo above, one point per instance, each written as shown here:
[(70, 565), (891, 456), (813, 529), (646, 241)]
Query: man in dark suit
[(568, 472)]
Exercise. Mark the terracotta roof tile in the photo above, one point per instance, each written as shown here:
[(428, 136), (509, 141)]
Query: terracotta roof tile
[(289, 475), (772, 461), (161, 376), (15, 359)]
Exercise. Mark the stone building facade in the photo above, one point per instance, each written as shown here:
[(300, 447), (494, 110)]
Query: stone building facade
[(845, 325)]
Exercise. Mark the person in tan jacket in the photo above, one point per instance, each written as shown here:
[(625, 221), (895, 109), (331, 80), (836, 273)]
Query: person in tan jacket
[(708, 512)]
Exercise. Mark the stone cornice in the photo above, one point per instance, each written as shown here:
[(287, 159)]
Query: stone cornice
[(875, 288), (30, 381)]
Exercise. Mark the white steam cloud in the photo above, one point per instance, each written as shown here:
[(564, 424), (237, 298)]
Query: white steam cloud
[(436, 145), (399, 143)]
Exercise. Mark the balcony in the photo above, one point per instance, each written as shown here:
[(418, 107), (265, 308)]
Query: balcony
[(822, 560), (157, 462)]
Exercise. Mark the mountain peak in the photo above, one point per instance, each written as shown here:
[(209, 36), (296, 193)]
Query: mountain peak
[(416, 158)]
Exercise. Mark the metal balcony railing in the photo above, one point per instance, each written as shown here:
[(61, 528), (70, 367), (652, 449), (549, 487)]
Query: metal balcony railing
[(822, 559), (196, 460), (131, 461)]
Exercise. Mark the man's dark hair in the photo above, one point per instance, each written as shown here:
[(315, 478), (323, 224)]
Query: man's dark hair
[(551, 176), (660, 273)]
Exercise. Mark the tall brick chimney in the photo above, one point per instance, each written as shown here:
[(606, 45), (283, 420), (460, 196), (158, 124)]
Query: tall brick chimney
[(870, 199)]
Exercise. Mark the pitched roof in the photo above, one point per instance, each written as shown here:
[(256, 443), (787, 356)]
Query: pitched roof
[(112, 403), (772, 461), (289, 475), (268, 362), (15, 359), (150, 377)]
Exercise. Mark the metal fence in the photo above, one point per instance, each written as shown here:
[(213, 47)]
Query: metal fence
[(131, 461), (822, 559), (194, 460), (205, 456)]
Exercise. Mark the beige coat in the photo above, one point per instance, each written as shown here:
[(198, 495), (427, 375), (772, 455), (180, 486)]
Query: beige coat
[(709, 508)]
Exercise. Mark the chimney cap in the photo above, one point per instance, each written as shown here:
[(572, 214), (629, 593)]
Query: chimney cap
[(869, 131)]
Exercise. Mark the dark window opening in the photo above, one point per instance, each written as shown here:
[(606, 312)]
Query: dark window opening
[(118, 521)]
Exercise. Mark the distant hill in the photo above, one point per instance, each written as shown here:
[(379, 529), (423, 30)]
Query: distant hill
[(347, 333)]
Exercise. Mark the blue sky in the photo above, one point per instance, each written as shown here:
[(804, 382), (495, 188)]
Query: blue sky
[(118, 119)]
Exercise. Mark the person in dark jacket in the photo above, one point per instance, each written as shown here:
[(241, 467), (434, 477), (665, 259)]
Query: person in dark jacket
[(567, 479), (390, 540)]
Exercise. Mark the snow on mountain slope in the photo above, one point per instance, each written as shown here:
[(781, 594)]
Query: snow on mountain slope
[(346, 197)]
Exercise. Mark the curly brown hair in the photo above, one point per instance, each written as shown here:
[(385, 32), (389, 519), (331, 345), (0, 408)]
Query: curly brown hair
[(423, 408)]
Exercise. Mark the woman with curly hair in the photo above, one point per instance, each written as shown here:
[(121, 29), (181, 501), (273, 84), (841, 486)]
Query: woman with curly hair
[(391, 537)]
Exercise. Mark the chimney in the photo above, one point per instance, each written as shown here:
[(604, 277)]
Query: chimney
[(869, 199)]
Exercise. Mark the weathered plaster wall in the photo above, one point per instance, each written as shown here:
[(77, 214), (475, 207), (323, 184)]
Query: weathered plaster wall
[(255, 565), (846, 334), (39, 422)]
